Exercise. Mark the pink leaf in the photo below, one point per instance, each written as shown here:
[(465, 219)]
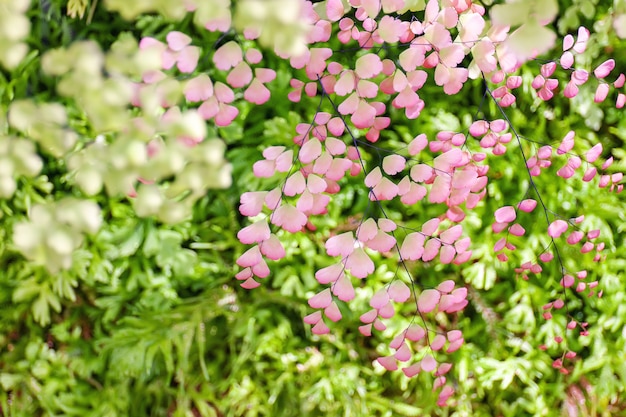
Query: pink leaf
[(415, 333), (527, 205), (412, 370), (310, 151), (313, 318), (330, 273), (343, 288), (256, 93), (392, 164), (289, 218), (557, 228), (399, 291), (428, 363), (388, 362), (332, 312), (320, 328), (359, 264), (227, 56), (340, 245), (412, 247), (403, 354), (380, 299), (369, 65), (505, 214), (250, 257), (446, 286), (254, 233), (604, 69), (272, 248), (321, 299), (428, 300)]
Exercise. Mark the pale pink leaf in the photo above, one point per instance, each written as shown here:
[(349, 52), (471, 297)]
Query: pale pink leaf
[(227, 56), (340, 245), (254, 233), (313, 318), (330, 273), (411, 371), (428, 363), (527, 205), (505, 214), (604, 69), (289, 218), (428, 300), (321, 299), (272, 248), (359, 263), (310, 151), (369, 65), (332, 312), (320, 328), (380, 299), (412, 247), (343, 288), (557, 228), (399, 291), (392, 164), (388, 362)]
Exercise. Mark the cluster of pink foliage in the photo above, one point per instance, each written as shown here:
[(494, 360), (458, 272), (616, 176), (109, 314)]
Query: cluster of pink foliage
[(440, 170)]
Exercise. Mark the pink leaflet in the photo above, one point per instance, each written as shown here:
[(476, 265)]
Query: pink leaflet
[(250, 257), (272, 248), (366, 330), (251, 203), (256, 93), (316, 184), (399, 291), (428, 300), (411, 371), (340, 245), (431, 248), (295, 184), (421, 173), (392, 164), (557, 228), (253, 56), (254, 233), (438, 342), (359, 264), (505, 214), (250, 284), (385, 190), (310, 151), (330, 274), (447, 254), (387, 225), (345, 84), (364, 115), (412, 247), (227, 56), (428, 363), (449, 159), (188, 59), (199, 88), (382, 242), (334, 10), (320, 328), (452, 234), (313, 318), (289, 218), (403, 354), (388, 362), (604, 69), (379, 299), (240, 75), (430, 227), (601, 92), (321, 299), (369, 317), (373, 178), (332, 312)]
